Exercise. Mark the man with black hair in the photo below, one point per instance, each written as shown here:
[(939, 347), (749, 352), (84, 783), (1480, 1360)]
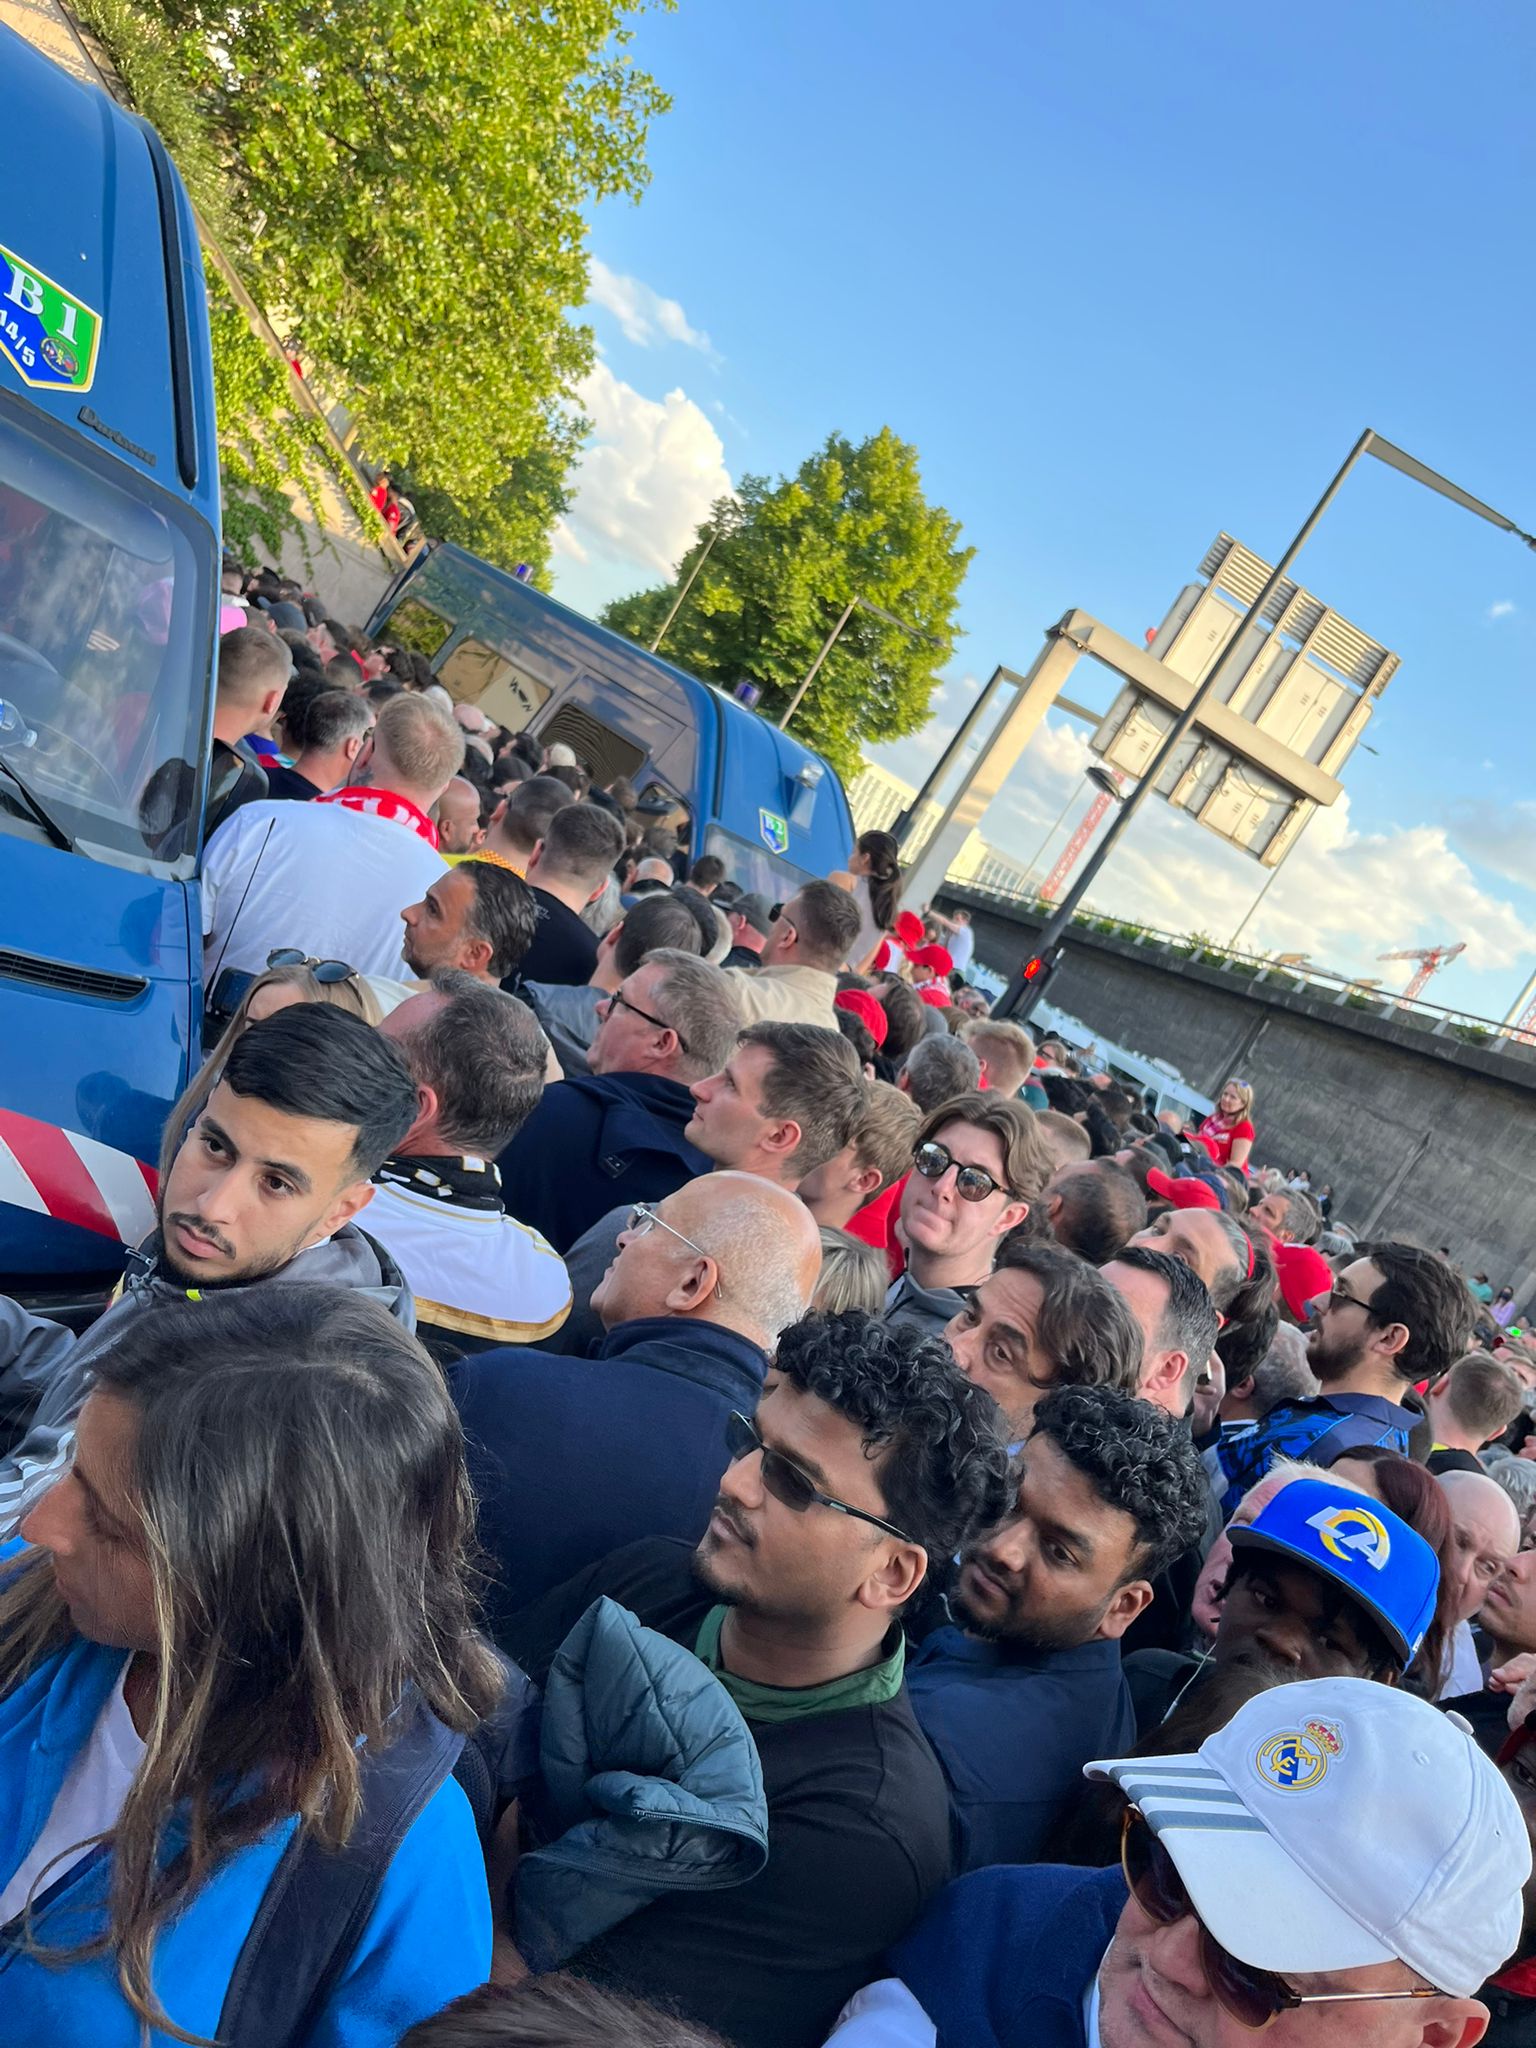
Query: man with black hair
[(254, 667), (1095, 1208), (571, 1014), (1024, 1685), (1323, 1582), (325, 739), (706, 874), (477, 918), (871, 1461), (1396, 1315), (522, 820), (480, 1277), (1042, 1319), (808, 943), (266, 1185), (1177, 1318), (566, 870)]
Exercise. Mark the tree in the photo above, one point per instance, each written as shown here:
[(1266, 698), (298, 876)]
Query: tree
[(412, 184), (853, 522)]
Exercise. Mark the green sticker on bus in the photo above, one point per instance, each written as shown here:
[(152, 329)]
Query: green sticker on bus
[(51, 336)]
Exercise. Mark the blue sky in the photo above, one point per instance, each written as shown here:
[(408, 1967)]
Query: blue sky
[(1127, 275)]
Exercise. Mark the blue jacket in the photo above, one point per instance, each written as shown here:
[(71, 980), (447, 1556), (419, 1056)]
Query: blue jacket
[(594, 1141), (1318, 1431), (573, 1458), (427, 1940), (1004, 1958), (651, 1777), (1013, 1729)]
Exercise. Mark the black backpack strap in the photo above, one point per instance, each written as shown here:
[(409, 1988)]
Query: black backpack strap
[(319, 1900)]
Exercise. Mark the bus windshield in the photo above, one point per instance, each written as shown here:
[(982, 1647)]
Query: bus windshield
[(104, 655)]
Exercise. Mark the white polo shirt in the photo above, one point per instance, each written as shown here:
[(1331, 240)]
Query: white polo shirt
[(330, 881)]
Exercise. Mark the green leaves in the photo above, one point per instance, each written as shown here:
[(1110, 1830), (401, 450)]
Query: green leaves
[(853, 522), (406, 189)]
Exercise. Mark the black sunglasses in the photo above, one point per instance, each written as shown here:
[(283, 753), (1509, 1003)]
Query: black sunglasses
[(323, 970), (787, 1483), (1340, 1297), (972, 1183), (1255, 1998)]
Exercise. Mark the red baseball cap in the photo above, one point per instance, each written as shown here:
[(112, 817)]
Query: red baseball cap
[(936, 957), (1184, 1194), (934, 994), (1304, 1274), (858, 1002), (909, 930)]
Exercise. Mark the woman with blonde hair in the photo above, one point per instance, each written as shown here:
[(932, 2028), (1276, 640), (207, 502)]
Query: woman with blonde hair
[(853, 1274), (1228, 1132), (289, 978)]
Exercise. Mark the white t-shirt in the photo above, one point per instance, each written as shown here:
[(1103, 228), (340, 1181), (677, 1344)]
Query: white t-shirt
[(960, 944), (329, 881), (89, 1801)]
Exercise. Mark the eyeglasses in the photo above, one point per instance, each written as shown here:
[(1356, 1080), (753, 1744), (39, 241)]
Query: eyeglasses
[(972, 1183), (1254, 1998), (1340, 1297), (618, 1000), (642, 1217), (787, 1483), (779, 915), (326, 971)]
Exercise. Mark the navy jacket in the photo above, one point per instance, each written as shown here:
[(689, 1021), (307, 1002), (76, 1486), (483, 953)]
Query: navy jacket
[(1317, 1431), (1013, 1729), (573, 1458), (596, 1140), (1004, 1958)]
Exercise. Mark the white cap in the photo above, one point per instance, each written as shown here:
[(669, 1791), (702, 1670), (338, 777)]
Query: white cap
[(1338, 1823)]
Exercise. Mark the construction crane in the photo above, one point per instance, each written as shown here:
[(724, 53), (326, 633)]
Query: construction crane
[(1431, 959)]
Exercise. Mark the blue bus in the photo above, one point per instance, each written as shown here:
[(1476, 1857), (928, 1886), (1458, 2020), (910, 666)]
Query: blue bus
[(109, 593), (772, 810)]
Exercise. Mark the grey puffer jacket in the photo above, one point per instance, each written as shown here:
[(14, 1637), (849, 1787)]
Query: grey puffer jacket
[(45, 1368), (650, 1776)]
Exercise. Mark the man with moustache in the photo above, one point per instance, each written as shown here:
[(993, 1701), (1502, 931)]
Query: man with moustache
[(311, 1103)]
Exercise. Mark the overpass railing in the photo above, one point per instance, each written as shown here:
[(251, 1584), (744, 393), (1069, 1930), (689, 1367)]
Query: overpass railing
[(1269, 970)]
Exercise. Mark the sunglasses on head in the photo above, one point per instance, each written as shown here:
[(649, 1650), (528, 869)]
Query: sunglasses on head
[(972, 1183), (791, 1487), (1254, 1998), (322, 970)]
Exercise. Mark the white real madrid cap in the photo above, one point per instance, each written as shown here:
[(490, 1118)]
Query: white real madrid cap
[(1338, 1823)]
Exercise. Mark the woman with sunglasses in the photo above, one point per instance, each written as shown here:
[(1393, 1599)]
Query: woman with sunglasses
[(1339, 1863)]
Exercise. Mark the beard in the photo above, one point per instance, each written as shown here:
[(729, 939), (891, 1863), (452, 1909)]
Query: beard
[(1331, 1362), (252, 1269), (1041, 1633)]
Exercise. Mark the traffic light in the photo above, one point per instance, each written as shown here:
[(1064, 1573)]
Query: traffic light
[(1031, 969), (1032, 977)]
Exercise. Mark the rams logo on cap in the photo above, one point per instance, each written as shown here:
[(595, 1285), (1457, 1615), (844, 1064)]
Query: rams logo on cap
[(1296, 1760), (1350, 1534)]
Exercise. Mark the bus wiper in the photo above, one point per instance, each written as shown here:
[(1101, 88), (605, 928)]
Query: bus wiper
[(38, 810)]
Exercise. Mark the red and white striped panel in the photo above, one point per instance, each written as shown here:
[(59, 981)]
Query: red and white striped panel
[(63, 1174)]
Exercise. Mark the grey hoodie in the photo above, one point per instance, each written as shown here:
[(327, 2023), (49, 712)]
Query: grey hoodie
[(45, 1369)]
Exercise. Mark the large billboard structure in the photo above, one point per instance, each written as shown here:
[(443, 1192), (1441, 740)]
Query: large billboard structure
[(1306, 680), (1264, 752)]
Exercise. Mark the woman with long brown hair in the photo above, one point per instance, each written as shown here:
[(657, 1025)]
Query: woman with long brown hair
[(248, 1589), (875, 865)]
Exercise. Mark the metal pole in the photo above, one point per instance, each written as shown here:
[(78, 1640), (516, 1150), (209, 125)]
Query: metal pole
[(810, 675), (1269, 881), (1039, 851), (906, 824), (677, 602), (1060, 922)]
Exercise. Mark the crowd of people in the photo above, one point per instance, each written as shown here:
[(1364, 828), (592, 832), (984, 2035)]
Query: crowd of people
[(667, 1479)]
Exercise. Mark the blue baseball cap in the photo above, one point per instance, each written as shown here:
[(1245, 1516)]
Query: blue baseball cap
[(1361, 1546)]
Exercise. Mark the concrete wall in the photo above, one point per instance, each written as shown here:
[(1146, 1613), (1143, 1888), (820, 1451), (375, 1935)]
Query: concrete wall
[(1421, 1137)]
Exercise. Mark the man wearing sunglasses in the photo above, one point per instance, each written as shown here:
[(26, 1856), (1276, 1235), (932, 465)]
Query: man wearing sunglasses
[(808, 941), (979, 1163), (869, 1459), (1396, 1315), (1339, 1863)]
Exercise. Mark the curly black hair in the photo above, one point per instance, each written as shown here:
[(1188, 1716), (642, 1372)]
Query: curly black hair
[(943, 1461), (1136, 1458)]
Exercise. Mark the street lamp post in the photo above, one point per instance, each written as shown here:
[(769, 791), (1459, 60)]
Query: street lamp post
[(677, 602), (863, 604), (1028, 986)]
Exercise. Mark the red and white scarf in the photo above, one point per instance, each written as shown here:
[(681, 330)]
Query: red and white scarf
[(384, 803)]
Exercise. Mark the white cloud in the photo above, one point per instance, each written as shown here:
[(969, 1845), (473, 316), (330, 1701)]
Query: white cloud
[(644, 316), (1501, 610), (645, 480), (1500, 837)]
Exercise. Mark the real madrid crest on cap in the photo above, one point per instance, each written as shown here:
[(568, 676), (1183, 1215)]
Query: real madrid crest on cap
[(1298, 1758)]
